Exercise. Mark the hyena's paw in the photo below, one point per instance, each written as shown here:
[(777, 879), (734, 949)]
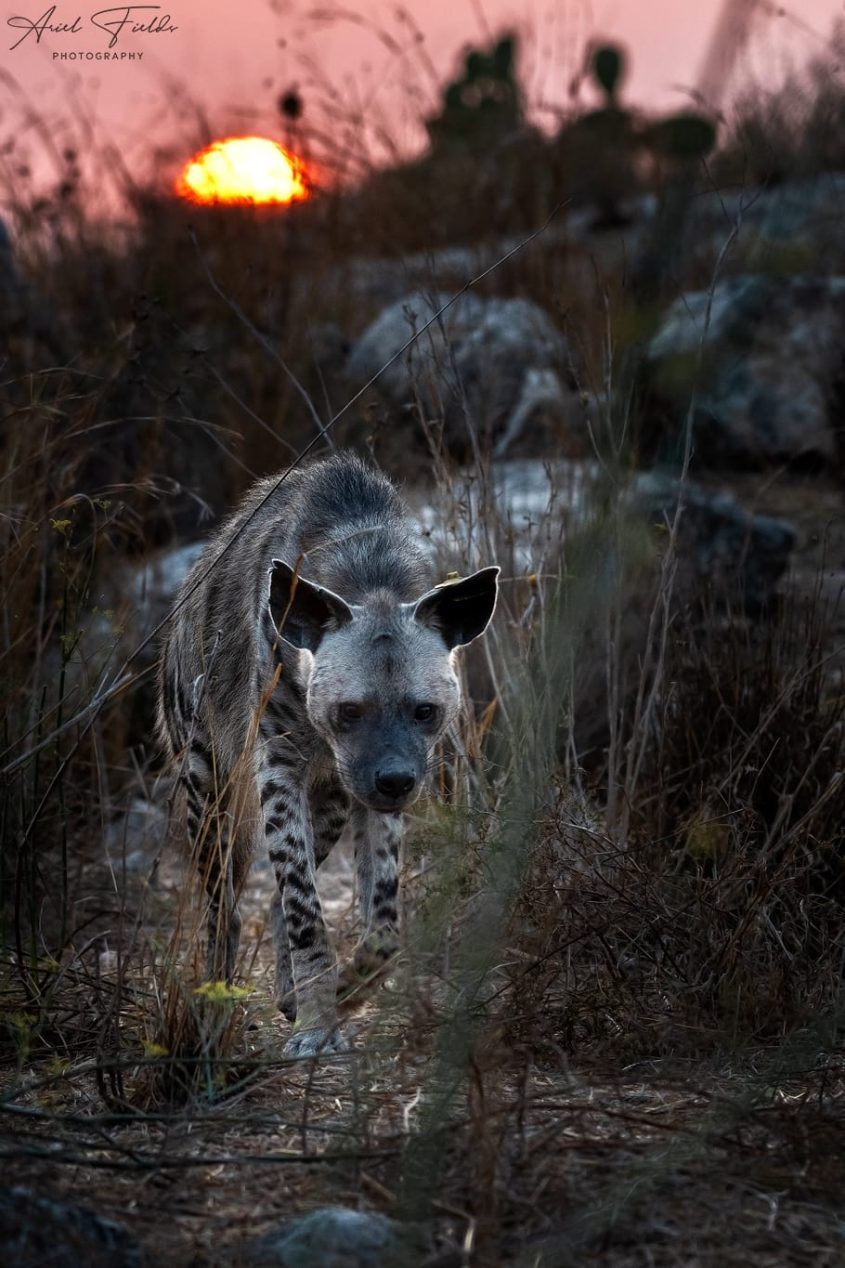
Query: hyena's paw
[(370, 963), (315, 1043)]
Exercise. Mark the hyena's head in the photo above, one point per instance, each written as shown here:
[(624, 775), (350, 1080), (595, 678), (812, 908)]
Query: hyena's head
[(381, 678)]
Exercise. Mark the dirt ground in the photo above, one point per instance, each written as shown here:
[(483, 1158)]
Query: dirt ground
[(660, 1163)]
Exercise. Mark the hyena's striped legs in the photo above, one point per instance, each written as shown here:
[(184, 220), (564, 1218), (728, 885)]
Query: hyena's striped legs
[(220, 863), (329, 812), (290, 845), (377, 841), (285, 992)]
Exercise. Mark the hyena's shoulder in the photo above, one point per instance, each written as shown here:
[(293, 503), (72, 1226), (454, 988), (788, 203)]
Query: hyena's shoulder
[(211, 645), (227, 586)]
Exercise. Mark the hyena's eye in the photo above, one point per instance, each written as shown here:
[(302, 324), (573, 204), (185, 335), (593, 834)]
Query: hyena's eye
[(425, 712), (350, 711)]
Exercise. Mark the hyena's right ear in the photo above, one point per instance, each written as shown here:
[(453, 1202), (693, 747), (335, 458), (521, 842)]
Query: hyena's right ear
[(460, 610), (303, 612)]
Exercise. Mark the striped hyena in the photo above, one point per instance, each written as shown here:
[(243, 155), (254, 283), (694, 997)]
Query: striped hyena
[(309, 654)]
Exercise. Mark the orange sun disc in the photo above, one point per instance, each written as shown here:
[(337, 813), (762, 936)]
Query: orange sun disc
[(244, 169)]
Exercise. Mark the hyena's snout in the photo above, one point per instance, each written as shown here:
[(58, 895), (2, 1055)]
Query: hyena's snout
[(393, 777), (395, 784)]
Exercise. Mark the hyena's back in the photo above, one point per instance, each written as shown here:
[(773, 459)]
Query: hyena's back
[(338, 519)]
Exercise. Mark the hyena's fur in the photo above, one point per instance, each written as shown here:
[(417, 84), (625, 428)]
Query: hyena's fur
[(304, 684)]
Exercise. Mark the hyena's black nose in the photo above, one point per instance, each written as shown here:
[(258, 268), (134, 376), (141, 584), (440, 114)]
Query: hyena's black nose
[(394, 783)]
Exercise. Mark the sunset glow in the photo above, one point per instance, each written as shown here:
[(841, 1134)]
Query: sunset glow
[(248, 169)]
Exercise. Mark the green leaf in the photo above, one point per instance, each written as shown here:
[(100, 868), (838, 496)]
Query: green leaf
[(222, 992)]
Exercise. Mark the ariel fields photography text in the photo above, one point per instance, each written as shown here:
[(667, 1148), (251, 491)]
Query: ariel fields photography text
[(113, 25)]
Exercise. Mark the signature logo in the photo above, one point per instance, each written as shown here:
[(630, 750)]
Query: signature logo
[(125, 19)]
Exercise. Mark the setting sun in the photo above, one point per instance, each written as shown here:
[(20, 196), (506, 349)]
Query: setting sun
[(249, 169)]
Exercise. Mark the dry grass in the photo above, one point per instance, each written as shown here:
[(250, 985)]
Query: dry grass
[(795, 133)]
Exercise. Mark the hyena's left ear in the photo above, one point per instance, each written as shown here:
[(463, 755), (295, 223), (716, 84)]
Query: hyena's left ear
[(460, 610), (303, 612)]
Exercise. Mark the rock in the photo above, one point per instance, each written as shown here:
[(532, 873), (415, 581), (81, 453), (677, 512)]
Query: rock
[(497, 366), (527, 497), (127, 607), (795, 224), (147, 591), (770, 372), (332, 1237), (36, 1230), (329, 347), (729, 564), (134, 839), (723, 548), (788, 226), (802, 219)]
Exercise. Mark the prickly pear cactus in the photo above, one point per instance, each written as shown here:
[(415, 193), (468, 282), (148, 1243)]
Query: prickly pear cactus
[(483, 102)]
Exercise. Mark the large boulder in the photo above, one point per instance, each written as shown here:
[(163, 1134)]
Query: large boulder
[(789, 226), (724, 551), (784, 227), (36, 1230), (728, 566), (124, 610), (134, 839), (332, 1237), (764, 368), (495, 371)]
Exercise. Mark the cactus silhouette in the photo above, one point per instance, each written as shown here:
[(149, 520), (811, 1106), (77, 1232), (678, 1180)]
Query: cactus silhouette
[(483, 102), (683, 137), (607, 66)]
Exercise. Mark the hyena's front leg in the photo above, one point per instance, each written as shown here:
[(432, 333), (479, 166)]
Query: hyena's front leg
[(329, 812), (290, 845), (377, 841)]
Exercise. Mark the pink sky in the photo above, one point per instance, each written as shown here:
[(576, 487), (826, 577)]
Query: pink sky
[(235, 57)]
